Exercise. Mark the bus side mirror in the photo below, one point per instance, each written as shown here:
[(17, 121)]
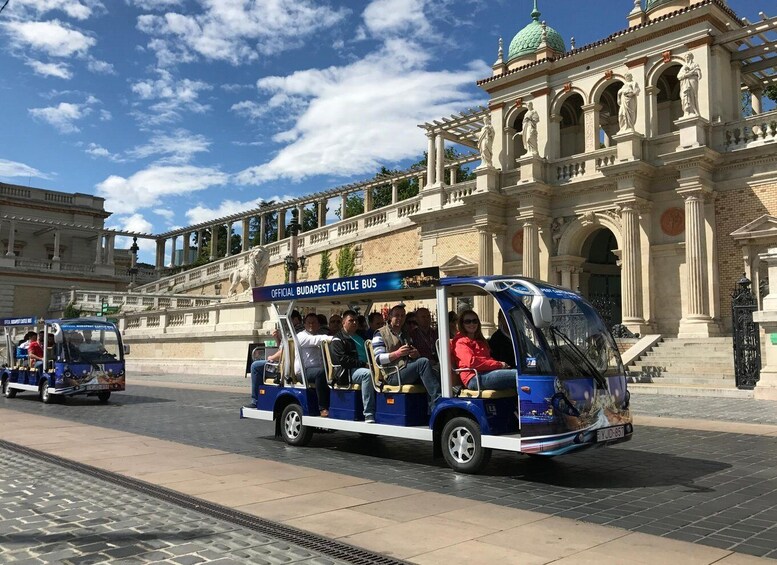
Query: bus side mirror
[(541, 312), (126, 349)]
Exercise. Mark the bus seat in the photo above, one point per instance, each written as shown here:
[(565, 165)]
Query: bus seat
[(379, 376), (272, 371), (464, 392), (329, 369)]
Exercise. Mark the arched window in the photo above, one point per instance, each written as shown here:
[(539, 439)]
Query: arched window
[(669, 107), (572, 129), (608, 114)]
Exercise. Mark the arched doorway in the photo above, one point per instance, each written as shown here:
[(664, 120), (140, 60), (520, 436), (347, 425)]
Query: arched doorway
[(601, 280)]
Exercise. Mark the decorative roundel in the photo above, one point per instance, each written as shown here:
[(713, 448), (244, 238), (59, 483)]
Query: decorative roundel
[(518, 242), (673, 221)]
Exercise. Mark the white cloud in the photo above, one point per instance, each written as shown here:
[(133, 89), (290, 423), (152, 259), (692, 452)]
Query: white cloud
[(166, 213), (202, 213), (169, 98), (16, 169), (100, 67), (59, 70), (99, 151), (156, 4), (63, 116), (76, 9), (54, 38), (394, 17), (178, 147), (356, 117), (148, 187), (236, 31)]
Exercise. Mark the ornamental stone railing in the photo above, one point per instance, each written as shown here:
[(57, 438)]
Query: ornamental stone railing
[(753, 131), (92, 301)]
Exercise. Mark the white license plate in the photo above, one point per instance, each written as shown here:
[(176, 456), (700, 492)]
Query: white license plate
[(606, 434), (96, 387)]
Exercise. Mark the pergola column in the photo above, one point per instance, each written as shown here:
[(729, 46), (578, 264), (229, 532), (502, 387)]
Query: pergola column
[(395, 189), (301, 216), (531, 249), (229, 240), (343, 206), (172, 250), (246, 236), (110, 246), (160, 253), (439, 175), (214, 242), (57, 235), (281, 224), (98, 251), (431, 159), (321, 213), (262, 229), (200, 233), (756, 98), (452, 173), (368, 200)]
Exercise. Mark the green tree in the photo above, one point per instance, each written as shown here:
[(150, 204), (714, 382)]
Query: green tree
[(326, 265), (771, 92), (270, 228), (346, 261), (71, 311)]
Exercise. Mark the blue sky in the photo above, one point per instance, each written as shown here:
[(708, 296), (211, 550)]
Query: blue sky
[(180, 111)]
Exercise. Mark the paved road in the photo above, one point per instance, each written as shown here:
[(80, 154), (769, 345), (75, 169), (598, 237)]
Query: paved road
[(714, 488)]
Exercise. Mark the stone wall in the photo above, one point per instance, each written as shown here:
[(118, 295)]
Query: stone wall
[(734, 209), (464, 244), (400, 251)]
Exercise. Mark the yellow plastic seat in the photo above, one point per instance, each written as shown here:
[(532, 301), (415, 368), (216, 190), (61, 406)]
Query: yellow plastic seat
[(329, 369), (379, 376)]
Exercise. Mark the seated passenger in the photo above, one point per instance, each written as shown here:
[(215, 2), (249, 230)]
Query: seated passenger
[(500, 342), (424, 335), (335, 324), (36, 351), (351, 368), (309, 356), (394, 349), (470, 350), (453, 324), (376, 322), (257, 371)]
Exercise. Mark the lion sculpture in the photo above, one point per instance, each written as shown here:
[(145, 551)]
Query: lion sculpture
[(250, 274)]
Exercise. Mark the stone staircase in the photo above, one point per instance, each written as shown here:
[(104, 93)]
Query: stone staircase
[(697, 367)]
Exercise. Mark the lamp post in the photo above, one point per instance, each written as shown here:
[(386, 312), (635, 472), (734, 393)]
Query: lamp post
[(293, 228), (133, 270)]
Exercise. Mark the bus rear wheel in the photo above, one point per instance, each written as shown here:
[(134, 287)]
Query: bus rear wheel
[(103, 396), (45, 397), (292, 430), (461, 446)]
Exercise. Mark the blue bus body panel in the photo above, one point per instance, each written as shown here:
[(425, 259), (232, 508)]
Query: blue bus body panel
[(402, 409), (495, 416), (346, 404)]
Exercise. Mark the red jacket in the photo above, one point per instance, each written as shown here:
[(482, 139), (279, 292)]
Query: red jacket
[(472, 353), (36, 349)]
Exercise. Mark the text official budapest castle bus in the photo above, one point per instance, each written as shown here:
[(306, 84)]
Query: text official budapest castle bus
[(570, 388), (82, 356)]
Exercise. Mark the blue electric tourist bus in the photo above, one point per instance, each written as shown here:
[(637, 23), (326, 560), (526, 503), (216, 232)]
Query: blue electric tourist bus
[(83, 356), (570, 389)]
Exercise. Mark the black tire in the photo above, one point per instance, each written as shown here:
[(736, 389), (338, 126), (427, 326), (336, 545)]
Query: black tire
[(461, 446), (292, 430), (43, 392), (7, 390), (103, 396)]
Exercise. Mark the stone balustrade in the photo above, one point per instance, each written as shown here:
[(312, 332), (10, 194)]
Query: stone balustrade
[(92, 301), (752, 131)]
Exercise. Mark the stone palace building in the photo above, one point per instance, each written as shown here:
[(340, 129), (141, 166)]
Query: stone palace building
[(626, 169)]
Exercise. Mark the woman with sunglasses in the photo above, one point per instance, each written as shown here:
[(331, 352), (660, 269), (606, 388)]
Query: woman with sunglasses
[(471, 351)]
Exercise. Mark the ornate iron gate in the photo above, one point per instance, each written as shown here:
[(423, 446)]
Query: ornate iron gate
[(747, 338)]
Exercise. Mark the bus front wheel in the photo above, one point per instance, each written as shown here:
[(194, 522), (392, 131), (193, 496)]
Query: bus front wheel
[(461, 447), (103, 396), (44, 392), (292, 430), (7, 390)]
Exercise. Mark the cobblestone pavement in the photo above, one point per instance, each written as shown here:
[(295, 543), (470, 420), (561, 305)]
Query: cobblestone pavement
[(49, 515), (713, 488)]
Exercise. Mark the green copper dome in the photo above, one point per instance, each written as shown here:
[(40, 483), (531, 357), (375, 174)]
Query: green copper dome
[(650, 4), (529, 38)]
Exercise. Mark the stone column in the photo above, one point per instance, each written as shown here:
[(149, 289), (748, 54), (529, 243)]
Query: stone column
[(57, 235), (172, 250), (439, 175), (343, 206), (368, 200), (486, 268), (531, 249), (755, 100), (187, 244), (651, 97), (452, 172), (321, 213), (110, 246), (214, 242), (160, 254), (591, 126), (553, 148), (281, 224), (246, 238), (566, 276), (431, 165), (301, 216), (697, 321), (395, 189), (631, 269), (200, 233), (228, 246), (262, 228), (98, 250)]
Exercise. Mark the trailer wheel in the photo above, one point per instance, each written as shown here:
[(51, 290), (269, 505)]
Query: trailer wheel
[(461, 446), (292, 430), (7, 390), (45, 397), (103, 396)]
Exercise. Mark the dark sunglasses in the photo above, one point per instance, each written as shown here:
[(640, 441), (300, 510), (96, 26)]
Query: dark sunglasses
[(470, 321)]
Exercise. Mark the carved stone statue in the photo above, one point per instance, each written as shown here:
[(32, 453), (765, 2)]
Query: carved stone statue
[(529, 132), (486, 143), (249, 274), (627, 103), (689, 77)]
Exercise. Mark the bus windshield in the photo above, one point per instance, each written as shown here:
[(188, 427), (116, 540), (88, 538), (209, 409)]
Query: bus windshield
[(90, 343), (579, 342)]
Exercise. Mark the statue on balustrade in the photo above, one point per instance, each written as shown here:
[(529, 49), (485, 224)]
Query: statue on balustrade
[(250, 274), (627, 103), (486, 143), (529, 132), (689, 77)]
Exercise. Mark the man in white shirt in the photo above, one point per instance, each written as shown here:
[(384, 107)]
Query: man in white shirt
[(309, 357)]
